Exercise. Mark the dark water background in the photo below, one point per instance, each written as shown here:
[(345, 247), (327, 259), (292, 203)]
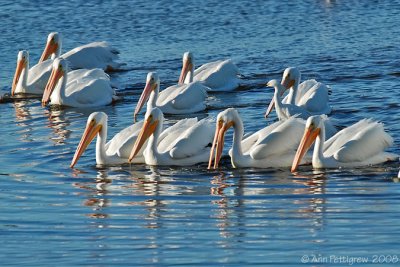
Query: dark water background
[(51, 215)]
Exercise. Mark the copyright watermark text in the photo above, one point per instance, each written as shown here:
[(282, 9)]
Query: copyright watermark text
[(349, 260)]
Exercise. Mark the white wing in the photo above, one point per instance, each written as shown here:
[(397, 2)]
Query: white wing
[(316, 99), (169, 136), (122, 143), (40, 74), (334, 143), (93, 55), (303, 88), (194, 140), (80, 74), (253, 139), (284, 138), (312, 96), (185, 96), (219, 75), (88, 92), (369, 141)]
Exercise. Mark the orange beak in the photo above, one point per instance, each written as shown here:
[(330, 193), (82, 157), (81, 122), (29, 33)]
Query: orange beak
[(148, 129), (187, 66), (51, 47), (150, 86), (218, 143), (55, 76), (287, 82), (90, 133), (20, 66), (270, 108), (310, 134)]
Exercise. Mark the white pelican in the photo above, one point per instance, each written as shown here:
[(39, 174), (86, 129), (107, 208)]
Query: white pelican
[(361, 144), (118, 149), (310, 95), (272, 146), (30, 80), (78, 88), (219, 75), (89, 56), (286, 110), (177, 99), (186, 148), (115, 151)]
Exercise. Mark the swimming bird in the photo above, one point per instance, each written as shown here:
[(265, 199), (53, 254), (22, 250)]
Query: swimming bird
[(118, 149), (187, 147), (272, 146), (360, 144), (78, 88), (221, 75), (115, 151), (177, 99), (286, 110), (30, 80), (93, 55), (310, 95)]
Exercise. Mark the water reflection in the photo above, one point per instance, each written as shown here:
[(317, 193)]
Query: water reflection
[(23, 119), (247, 199), (96, 195), (59, 123), (148, 185), (26, 114), (314, 207), (227, 209), (22, 112)]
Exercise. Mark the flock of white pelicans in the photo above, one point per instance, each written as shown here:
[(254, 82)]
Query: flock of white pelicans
[(77, 78)]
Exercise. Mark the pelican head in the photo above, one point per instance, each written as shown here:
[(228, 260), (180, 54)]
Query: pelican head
[(22, 63), (149, 127), (59, 69), (52, 46), (225, 120), (94, 126), (187, 66), (274, 83), (152, 82), (311, 132), (290, 76), (281, 89)]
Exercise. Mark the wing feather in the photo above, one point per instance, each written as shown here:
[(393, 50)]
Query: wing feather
[(92, 55), (366, 143), (194, 140), (183, 96), (284, 138), (168, 137), (40, 73), (122, 143), (218, 75)]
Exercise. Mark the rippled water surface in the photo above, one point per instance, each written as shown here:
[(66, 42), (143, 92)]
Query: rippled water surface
[(139, 215)]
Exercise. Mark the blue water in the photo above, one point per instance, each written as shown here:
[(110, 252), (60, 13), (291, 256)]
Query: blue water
[(51, 215)]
